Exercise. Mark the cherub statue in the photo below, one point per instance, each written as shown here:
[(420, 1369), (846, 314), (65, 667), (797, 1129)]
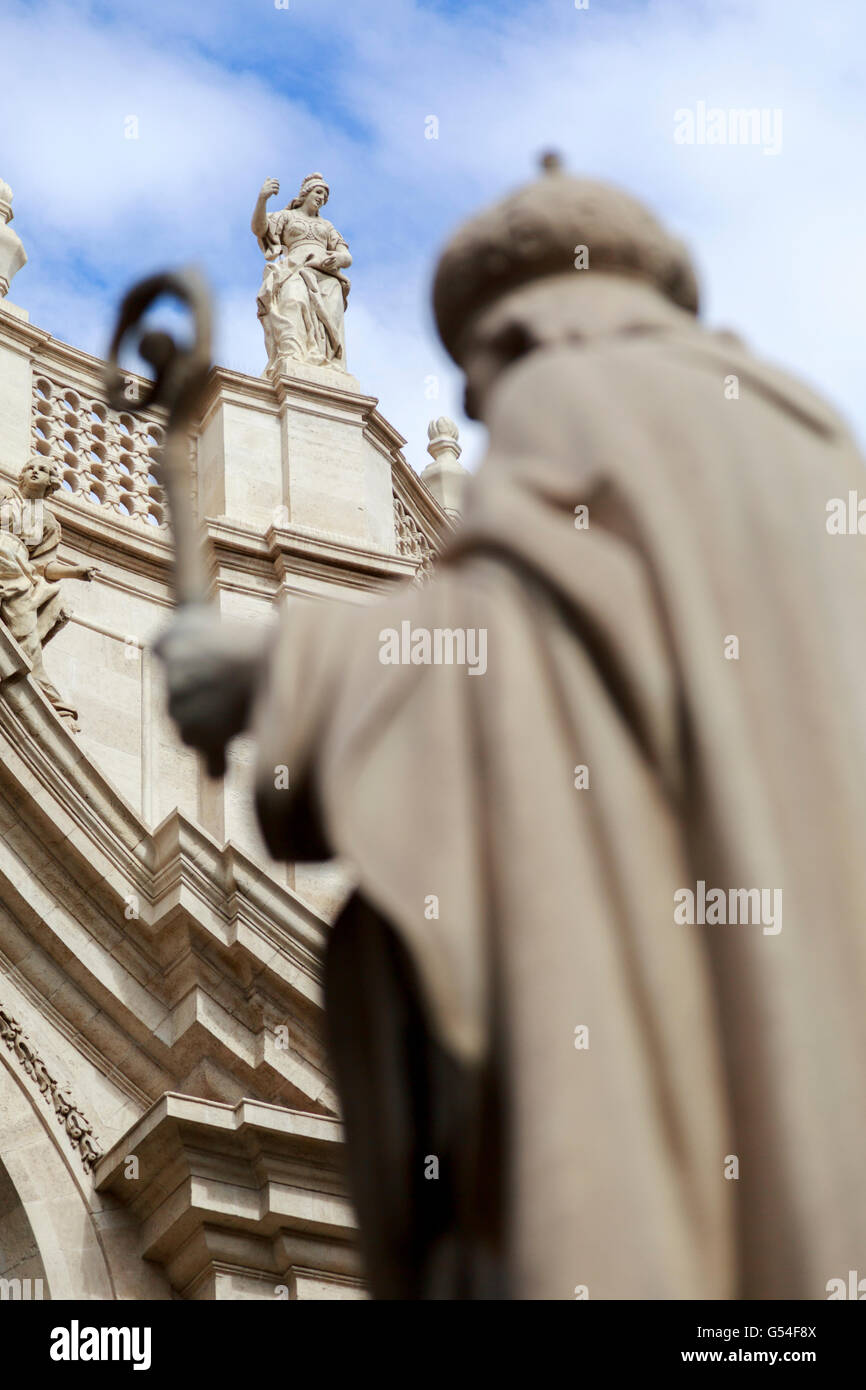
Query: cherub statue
[(304, 291), (31, 604)]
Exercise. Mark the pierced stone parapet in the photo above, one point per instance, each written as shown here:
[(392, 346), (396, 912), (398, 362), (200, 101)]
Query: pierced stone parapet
[(411, 540), (106, 460)]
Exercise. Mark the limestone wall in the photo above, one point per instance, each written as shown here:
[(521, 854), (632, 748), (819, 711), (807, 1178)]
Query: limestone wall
[(161, 975)]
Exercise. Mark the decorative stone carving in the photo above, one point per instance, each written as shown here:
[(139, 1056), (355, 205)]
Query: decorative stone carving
[(104, 459), (445, 476), (30, 572), (78, 1128), (412, 541), (443, 435), (12, 253), (304, 291)]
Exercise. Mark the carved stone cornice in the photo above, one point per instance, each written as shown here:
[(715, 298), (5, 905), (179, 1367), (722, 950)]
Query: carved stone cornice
[(215, 958), (237, 1197), (18, 333), (298, 554)]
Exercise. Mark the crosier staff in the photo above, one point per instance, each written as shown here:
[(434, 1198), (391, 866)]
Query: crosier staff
[(180, 376)]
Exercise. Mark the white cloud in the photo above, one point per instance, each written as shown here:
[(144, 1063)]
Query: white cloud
[(226, 94)]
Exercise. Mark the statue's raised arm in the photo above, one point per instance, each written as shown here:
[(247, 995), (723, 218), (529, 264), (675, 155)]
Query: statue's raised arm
[(259, 224)]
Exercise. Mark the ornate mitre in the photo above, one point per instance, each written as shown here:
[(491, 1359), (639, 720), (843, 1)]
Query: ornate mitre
[(538, 231)]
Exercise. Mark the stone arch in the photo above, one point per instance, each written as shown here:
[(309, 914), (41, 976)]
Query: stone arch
[(47, 1196), (20, 1261)]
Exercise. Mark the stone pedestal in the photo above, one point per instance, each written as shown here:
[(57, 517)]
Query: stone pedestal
[(306, 371), (295, 488), (307, 451), (445, 477)]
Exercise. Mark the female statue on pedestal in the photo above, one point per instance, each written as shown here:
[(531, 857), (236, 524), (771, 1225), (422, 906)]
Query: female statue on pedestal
[(303, 291)]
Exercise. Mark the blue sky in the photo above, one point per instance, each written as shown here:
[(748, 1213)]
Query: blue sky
[(229, 92)]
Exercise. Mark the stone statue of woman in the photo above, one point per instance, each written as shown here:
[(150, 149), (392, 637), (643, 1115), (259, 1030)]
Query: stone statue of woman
[(304, 291)]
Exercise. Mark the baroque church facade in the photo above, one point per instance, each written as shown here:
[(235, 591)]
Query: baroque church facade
[(168, 1128)]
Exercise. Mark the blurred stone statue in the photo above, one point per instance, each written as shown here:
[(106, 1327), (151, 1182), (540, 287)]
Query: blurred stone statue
[(31, 603), (304, 291), (596, 1008)]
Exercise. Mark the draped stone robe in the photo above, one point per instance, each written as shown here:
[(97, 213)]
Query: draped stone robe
[(605, 1167), (300, 306)]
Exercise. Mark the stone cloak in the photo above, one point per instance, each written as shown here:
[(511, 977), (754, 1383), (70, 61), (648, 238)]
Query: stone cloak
[(606, 648)]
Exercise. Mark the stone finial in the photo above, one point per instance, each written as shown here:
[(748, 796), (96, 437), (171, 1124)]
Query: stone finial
[(445, 476), (12, 253), (443, 435), (550, 162)]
